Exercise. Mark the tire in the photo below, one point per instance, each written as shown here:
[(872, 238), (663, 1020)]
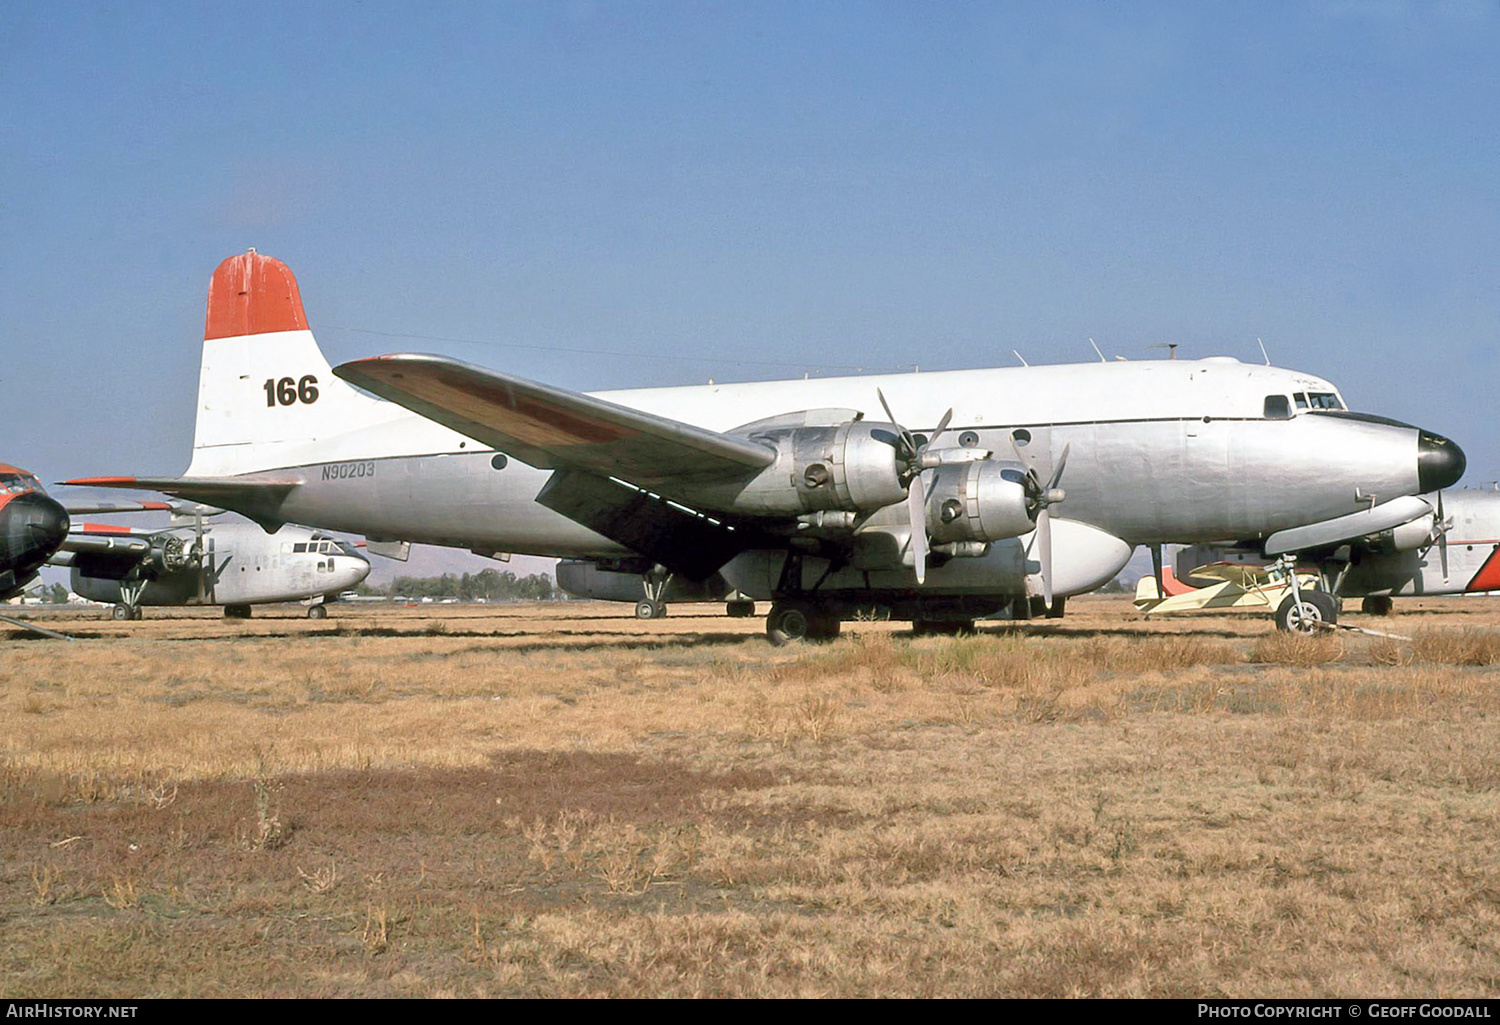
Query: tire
[(121, 612), (739, 609), (1377, 605), (1056, 609), (787, 623), (236, 612), (1038, 607), (646, 610), (1020, 608), (317, 612), (1317, 607), (137, 613)]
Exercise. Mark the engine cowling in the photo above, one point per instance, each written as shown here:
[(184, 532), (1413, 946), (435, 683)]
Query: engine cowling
[(852, 467), (979, 501), (1407, 537)]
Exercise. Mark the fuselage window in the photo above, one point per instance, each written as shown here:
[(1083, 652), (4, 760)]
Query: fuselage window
[(300, 546), (1278, 407)]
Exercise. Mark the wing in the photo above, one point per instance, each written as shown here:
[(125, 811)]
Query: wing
[(83, 508), (552, 428), (110, 552)]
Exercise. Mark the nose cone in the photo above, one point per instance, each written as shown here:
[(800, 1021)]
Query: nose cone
[(1440, 463), (32, 526), (351, 571)]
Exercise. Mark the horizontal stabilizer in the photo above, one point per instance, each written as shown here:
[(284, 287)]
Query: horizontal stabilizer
[(259, 499), (552, 428), (1345, 528)]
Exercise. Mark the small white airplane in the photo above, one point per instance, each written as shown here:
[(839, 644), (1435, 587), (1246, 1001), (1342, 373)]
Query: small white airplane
[(1012, 484), (1453, 548), (234, 565)]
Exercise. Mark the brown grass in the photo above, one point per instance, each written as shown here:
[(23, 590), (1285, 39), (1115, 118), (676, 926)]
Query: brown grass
[(502, 802)]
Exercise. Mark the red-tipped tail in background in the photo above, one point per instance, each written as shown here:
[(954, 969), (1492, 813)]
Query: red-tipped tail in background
[(251, 294)]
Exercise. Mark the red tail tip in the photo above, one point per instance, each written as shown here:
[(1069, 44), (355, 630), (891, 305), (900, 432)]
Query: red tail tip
[(252, 294)]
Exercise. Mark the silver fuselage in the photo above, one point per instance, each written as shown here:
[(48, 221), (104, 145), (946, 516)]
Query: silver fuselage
[(243, 565)]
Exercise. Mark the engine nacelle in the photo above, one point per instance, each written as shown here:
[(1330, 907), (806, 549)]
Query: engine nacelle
[(978, 501), (852, 467), (1407, 536)]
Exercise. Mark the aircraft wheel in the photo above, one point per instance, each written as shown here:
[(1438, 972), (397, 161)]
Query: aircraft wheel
[(799, 621), (1056, 609), (1377, 605), (1305, 617), (136, 613), (236, 612), (649, 610), (739, 609), (1038, 606), (121, 612), (317, 612), (1020, 608)]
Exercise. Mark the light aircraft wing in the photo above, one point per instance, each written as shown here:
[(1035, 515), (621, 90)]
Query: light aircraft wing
[(552, 428)]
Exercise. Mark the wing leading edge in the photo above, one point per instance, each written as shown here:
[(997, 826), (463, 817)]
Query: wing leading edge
[(555, 429)]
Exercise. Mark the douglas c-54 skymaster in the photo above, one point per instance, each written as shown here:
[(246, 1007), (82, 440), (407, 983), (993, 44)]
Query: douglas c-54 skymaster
[(810, 493)]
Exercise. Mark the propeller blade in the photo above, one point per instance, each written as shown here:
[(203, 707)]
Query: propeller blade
[(908, 443), (916, 511), (940, 428), (1044, 552), (1062, 461), (1442, 526)]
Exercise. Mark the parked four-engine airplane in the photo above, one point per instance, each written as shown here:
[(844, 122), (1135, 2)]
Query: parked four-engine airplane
[(235, 565), (1021, 481)]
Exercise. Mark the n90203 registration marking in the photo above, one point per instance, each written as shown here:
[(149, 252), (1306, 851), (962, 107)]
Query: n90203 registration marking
[(347, 471)]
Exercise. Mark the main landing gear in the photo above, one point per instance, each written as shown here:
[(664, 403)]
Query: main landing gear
[(654, 583), (1377, 605), (130, 600), (236, 612), (799, 620), (318, 611)]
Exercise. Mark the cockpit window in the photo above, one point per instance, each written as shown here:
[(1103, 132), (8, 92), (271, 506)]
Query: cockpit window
[(1302, 400), (1324, 400), (16, 483), (1278, 407)]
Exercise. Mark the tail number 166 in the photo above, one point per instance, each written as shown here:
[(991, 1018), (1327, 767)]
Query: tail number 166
[(287, 391)]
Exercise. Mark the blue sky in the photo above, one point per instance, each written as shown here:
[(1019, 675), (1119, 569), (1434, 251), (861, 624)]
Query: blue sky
[(747, 190)]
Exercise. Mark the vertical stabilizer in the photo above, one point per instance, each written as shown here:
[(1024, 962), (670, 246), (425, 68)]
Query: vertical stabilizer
[(266, 394)]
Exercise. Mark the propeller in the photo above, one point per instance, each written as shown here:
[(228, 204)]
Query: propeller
[(1440, 526), (1040, 499), (911, 464)]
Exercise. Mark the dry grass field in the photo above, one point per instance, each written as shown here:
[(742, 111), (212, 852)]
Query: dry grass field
[(563, 801)]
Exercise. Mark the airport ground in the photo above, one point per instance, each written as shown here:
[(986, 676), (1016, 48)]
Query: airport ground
[(560, 800)]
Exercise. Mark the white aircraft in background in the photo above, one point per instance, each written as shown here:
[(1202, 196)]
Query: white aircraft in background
[(992, 486), (229, 564), (1454, 548)]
